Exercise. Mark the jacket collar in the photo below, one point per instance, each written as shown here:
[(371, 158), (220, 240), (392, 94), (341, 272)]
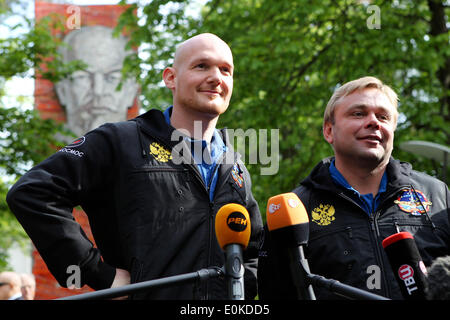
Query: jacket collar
[(398, 175), (153, 123)]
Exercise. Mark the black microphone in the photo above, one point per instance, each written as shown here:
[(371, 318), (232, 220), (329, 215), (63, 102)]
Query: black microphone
[(438, 279), (233, 234), (288, 224), (406, 262)]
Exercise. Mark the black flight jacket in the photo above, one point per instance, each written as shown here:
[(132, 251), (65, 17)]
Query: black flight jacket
[(149, 214), (345, 243)]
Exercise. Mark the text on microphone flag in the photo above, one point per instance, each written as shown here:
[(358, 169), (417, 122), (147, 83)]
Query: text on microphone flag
[(232, 225)]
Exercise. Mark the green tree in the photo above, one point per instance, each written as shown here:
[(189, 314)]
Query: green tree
[(291, 55), (289, 58), (25, 138)]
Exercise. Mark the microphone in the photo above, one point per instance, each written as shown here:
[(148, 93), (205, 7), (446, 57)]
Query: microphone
[(233, 234), (438, 284), (288, 223), (406, 262)]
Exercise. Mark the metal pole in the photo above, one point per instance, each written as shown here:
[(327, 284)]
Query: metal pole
[(200, 275), (234, 272), (342, 289)]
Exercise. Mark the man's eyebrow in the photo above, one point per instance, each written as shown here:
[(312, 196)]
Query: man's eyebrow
[(197, 60), (113, 70), (357, 106), (365, 106), (209, 59)]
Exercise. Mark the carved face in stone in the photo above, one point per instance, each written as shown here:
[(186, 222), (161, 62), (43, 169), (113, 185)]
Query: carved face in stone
[(90, 96)]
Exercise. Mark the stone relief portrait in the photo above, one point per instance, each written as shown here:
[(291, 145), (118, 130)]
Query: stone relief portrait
[(90, 97)]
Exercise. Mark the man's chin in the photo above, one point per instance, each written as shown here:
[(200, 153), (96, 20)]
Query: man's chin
[(212, 109), (373, 158)]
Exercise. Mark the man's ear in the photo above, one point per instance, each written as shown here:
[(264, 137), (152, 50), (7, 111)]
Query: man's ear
[(328, 132), (169, 77)]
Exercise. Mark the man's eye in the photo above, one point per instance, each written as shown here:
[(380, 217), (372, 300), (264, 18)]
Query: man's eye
[(113, 77), (80, 75), (226, 70), (201, 66)]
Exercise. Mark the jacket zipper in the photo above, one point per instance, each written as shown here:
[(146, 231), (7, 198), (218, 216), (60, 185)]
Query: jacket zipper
[(211, 216), (376, 231), (211, 203), (199, 179), (211, 226), (379, 254), (375, 235)]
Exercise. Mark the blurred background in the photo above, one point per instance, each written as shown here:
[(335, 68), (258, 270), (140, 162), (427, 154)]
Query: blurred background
[(289, 58)]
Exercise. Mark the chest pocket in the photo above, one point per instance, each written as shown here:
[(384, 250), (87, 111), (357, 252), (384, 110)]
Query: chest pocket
[(340, 253), (160, 196), (426, 236), (339, 245)]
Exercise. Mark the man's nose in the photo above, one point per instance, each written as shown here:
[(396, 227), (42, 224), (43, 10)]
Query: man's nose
[(215, 76), (98, 84), (372, 121)]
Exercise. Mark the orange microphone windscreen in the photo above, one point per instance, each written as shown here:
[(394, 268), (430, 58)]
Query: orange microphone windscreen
[(233, 225), (285, 210), (287, 220)]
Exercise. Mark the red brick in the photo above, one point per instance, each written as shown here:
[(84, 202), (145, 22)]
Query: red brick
[(47, 104)]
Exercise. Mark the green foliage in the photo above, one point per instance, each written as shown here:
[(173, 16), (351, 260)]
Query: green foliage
[(10, 229), (289, 58), (37, 49), (165, 25), (25, 139)]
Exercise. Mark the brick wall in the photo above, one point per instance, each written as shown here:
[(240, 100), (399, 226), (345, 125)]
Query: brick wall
[(47, 104)]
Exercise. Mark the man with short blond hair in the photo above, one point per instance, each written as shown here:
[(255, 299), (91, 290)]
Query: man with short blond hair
[(358, 198), (352, 86)]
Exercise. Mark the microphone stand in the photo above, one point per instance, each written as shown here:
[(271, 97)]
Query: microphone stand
[(200, 275), (343, 290), (234, 272), (300, 270), (306, 292)]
